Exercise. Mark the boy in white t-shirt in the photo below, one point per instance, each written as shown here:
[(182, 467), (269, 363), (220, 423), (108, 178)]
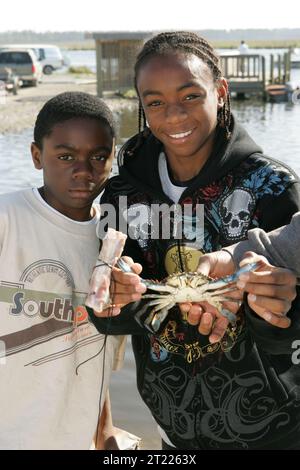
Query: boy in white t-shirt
[(54, 365)]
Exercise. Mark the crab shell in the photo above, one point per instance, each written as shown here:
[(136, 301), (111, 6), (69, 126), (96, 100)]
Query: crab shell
[(182, 288), (185, 287)]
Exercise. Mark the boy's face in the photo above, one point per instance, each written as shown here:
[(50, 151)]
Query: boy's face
[(76, 159), (180, 100)]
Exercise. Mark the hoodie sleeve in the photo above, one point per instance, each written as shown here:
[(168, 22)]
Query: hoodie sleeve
[(123, 324), (279, 246)]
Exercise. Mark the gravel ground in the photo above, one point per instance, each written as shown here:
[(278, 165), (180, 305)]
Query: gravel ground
[(19, 112)]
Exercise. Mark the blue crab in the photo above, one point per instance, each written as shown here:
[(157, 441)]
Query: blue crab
[(187, 287)]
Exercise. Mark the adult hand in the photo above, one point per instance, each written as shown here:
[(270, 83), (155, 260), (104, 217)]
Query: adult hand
[(271, 290)]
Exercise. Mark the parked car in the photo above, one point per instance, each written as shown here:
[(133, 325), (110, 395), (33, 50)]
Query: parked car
[(50, 57), (23, 63)]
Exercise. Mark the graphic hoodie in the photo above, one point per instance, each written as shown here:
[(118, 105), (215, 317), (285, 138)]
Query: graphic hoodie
[(242, 392)]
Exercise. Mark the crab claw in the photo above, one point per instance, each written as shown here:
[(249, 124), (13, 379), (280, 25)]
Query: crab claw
[(121, 264), (224, 281), (229, 315)]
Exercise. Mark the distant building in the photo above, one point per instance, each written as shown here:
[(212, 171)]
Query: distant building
[(115, 55)]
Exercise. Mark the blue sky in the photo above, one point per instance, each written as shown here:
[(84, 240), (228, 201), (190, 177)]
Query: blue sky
[(124, 15)]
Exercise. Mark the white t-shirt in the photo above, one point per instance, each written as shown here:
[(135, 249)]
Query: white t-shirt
[(174, 192), (243, 48), (46, 260)]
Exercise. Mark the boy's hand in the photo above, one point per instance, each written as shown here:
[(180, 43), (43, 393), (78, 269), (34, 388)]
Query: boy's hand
[(271, 290), (124, 288), (216, 264), (208, 319)]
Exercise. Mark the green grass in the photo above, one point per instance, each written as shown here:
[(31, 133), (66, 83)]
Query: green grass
[(78, 46), (270, 44), (130, 93), (259, 44), (81, 70)]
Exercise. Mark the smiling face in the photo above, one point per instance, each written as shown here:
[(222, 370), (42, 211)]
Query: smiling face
[(181, 99), (76, 159)]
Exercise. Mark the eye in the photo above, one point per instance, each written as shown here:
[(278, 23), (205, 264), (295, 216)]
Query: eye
[(192, 97), (154, 104), (99, 158), (66, 158)]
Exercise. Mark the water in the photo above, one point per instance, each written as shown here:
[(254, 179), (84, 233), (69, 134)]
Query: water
[(274, 126), (85, 58)]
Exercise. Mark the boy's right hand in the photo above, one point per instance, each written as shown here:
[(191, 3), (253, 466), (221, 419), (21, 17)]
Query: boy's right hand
[(124, 288)]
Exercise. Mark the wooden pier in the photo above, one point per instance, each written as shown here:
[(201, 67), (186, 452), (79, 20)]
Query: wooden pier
[(250, 74)]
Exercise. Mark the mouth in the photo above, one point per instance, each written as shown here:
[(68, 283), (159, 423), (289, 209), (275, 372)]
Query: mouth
[(180, 137), (80, 193)]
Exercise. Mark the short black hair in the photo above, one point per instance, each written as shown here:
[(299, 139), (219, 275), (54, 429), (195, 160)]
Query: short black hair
[(70, 105)]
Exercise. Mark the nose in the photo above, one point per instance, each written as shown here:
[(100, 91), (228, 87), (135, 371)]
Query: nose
[(176, 113), (83, 169)]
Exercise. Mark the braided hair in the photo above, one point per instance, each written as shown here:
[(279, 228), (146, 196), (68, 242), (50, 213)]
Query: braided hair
[(190, 43)]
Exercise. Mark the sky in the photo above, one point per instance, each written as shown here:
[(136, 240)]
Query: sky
[(145, 15)]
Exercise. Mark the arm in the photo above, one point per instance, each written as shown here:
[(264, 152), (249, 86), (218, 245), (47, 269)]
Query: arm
[(124, 323), (276, 212), (280, 246), (220, 263)]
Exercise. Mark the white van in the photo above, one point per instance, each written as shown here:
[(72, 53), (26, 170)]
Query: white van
[(50, 57), (22, 63)]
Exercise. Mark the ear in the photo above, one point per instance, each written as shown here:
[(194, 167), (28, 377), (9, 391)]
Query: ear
[(36, 156), (222, 90)]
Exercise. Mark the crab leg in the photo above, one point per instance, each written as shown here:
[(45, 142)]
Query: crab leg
[(121, 264), (229, 315), (158, 314)]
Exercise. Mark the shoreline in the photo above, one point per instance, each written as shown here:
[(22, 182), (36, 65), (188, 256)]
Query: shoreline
[(19, 112)]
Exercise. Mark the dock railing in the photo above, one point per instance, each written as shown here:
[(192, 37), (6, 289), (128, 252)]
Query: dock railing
[(245, 73), (252, 73)]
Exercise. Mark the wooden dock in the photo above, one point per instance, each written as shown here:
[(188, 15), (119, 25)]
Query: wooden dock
[(250, 74)]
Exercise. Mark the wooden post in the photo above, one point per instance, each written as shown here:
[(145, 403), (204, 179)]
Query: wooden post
[(287, 67), (279, 68), (271, 69), (263, 67), (99, 68)]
